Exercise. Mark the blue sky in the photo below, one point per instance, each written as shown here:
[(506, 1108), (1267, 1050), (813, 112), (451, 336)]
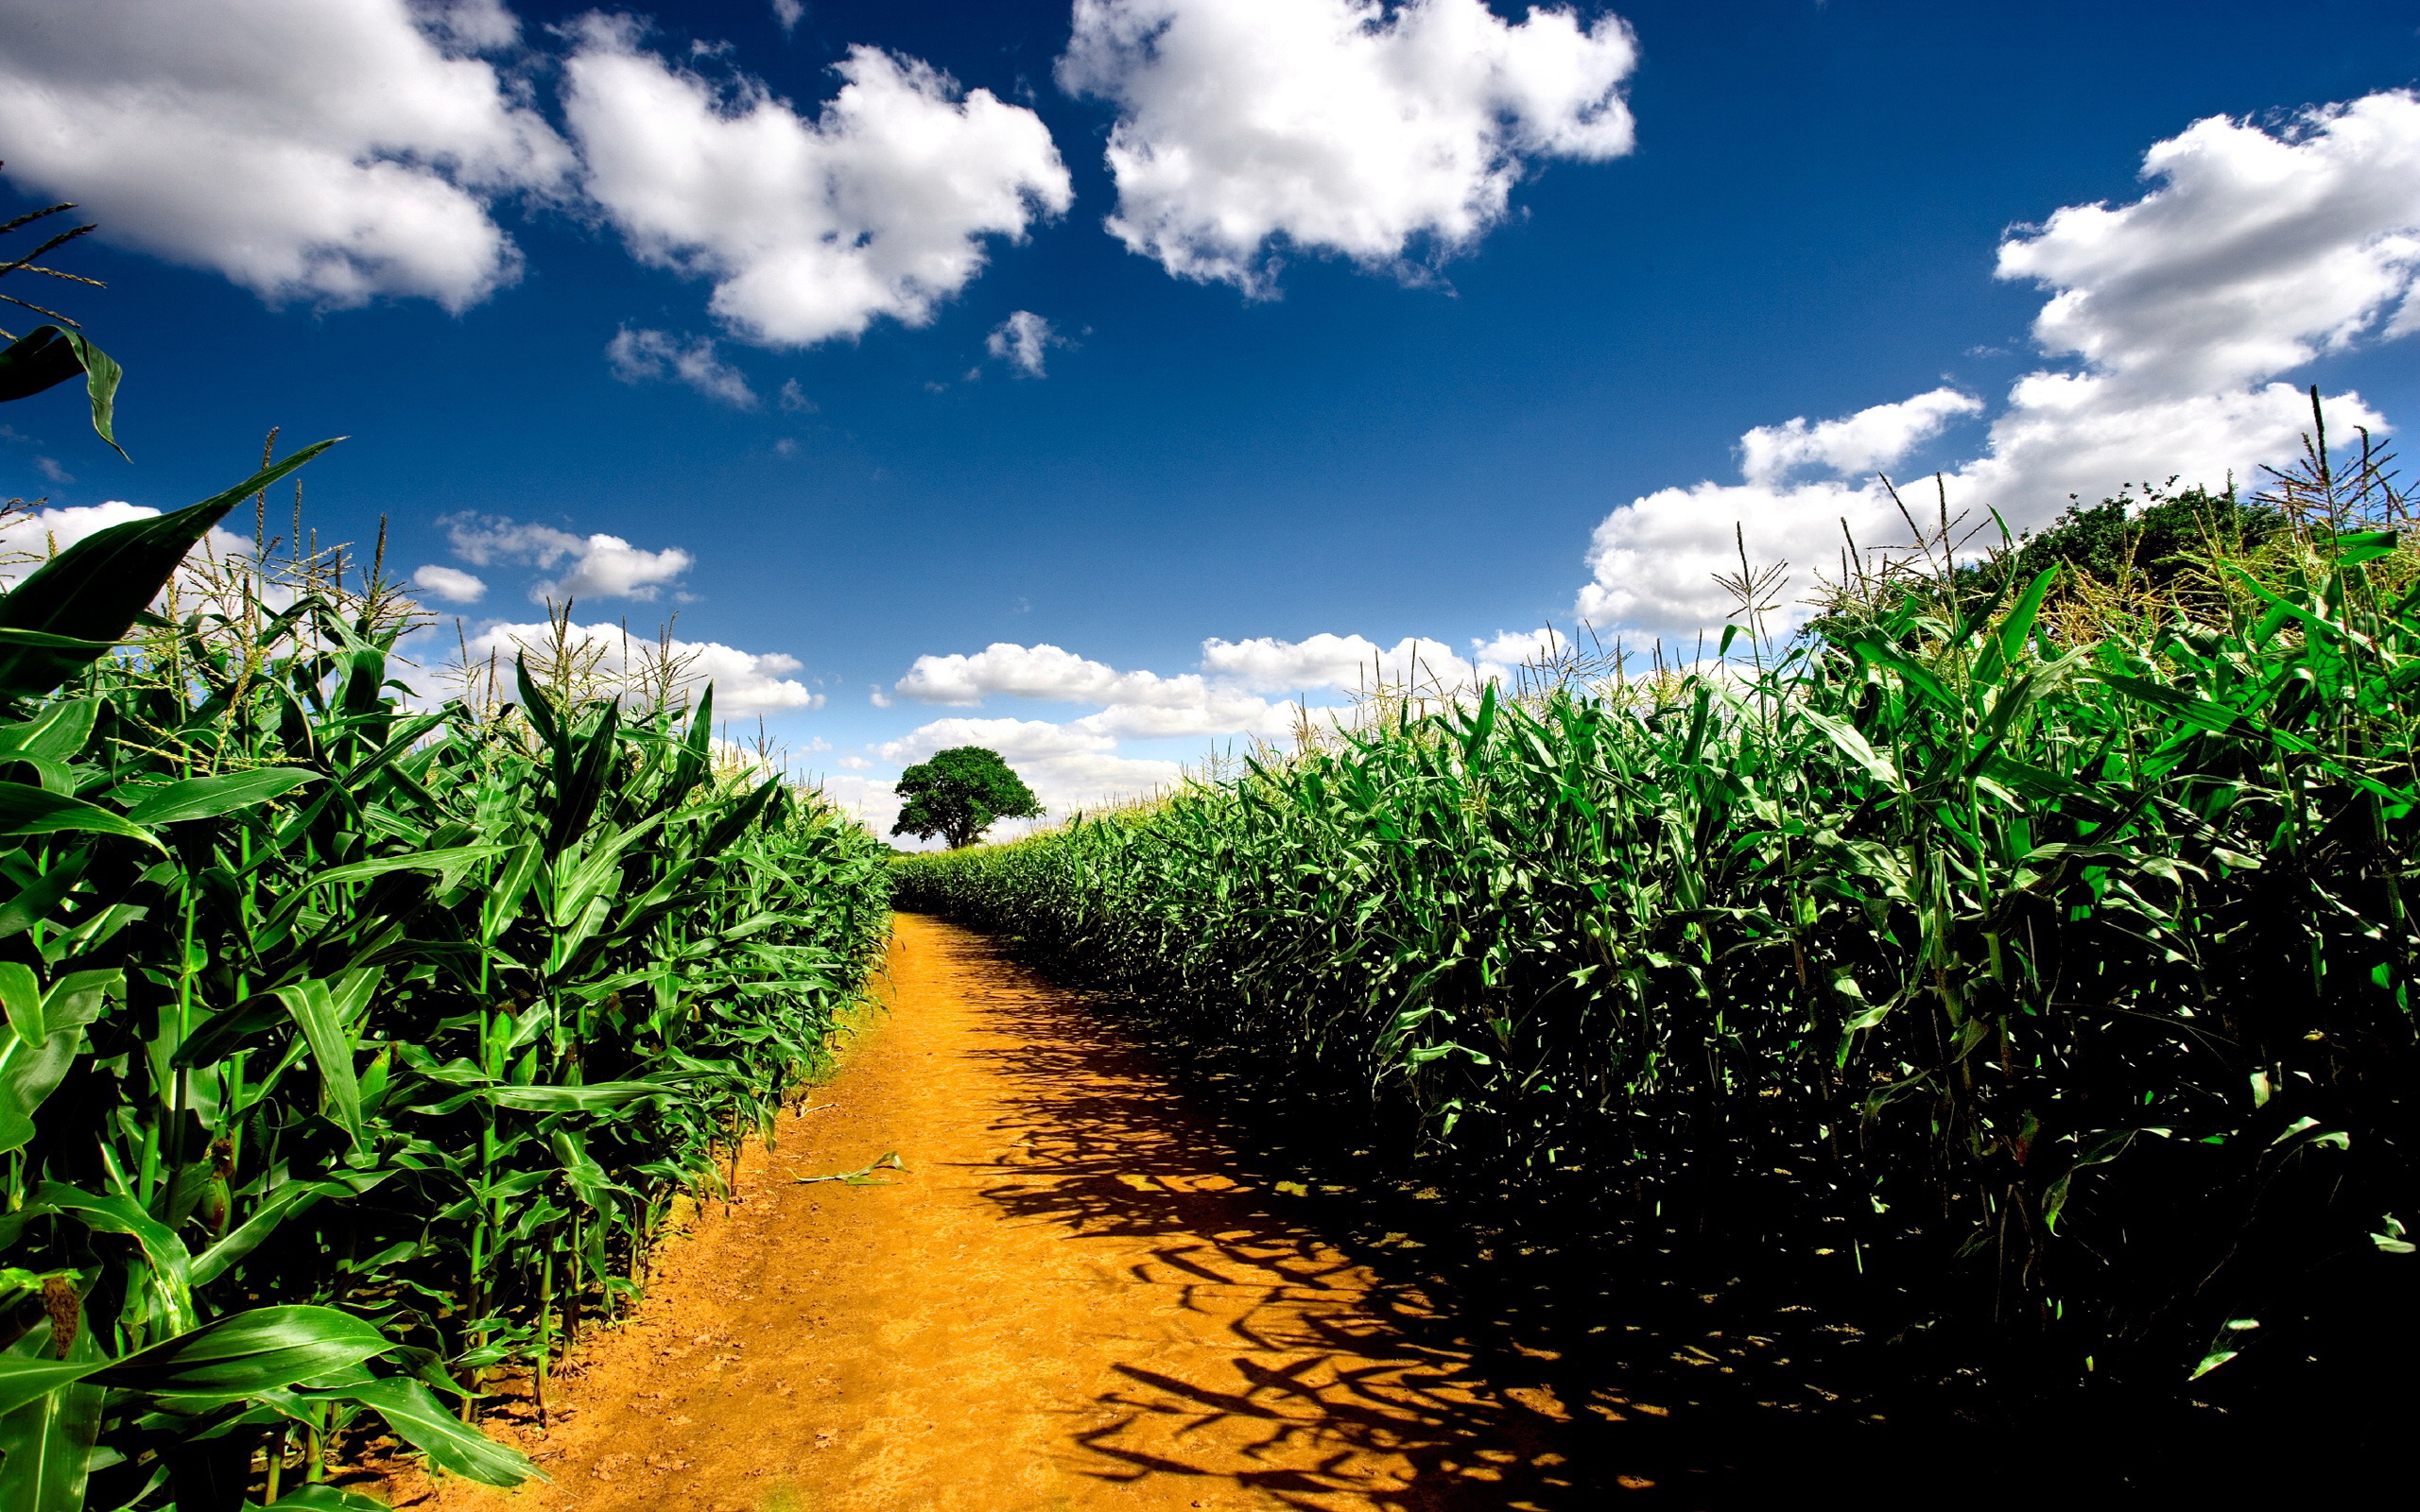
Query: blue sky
[(1420, 442)]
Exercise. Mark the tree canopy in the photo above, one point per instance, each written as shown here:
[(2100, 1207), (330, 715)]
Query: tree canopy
[(958, 794)]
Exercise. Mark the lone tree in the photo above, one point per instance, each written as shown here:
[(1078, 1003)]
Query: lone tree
[(959, 793)]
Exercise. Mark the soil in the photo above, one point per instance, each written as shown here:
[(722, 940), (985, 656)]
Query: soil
[(1075, 1294)]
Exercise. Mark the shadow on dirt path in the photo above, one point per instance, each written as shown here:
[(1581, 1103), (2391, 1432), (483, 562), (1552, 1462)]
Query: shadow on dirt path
[(1074, 1295)]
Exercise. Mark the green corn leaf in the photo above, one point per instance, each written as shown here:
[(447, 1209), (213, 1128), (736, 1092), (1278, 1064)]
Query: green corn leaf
[(28, 1373), (536, 707), (47, 1431), (45, 1033), (49, 355), (2019, 623), (206, 797), (591, 1098), (449, 864), (60, 730), (580, 784), (1856, 747), (25, 810), (92, 592), (30, 1070), (2356, 547), (1915, 676), (245, 1353), (20, 992), (316, 1013), (117, 1213), (36, 901), (2199, 712), (416, 1416), (501, 903)]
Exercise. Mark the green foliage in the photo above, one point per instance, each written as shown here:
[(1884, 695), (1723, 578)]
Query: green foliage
[(959, 794), (2070, 989), (2161, 542)]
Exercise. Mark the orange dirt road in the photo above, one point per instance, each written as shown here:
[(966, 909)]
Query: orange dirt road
[(1070, 1299)]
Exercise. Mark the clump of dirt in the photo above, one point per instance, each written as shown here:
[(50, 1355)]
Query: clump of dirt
[(1065, 1293)]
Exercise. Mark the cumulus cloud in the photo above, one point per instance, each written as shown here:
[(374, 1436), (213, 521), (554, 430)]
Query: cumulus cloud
[(325, 150), (745, 682), (1266, 664), (869, 799), (451, 584), (1140, 705), (1341, 127), (639, 356), (1047, 673), (1501, 657), (1022, 340), (811, 229), (789, 13), (2254, 252), (596, 566), (1870, 439)]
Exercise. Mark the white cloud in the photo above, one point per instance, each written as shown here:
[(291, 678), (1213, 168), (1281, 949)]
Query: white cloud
[(642, 355), (2253, 254), (327, 150), (868, 800), (1139, 705), (811, 229), (1266, 664), (467, 26), (1862, 442), (1656, 558), (598, 566), (451, 584), (745, 682), (1022, 340), (1335, 125), (49, 467), (1014, 739), (1042, 672), (854, 763), (789, 13)]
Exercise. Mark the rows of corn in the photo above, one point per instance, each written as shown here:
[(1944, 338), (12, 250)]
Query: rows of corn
[(355, 1055), (2058, 965), (358, 1041)]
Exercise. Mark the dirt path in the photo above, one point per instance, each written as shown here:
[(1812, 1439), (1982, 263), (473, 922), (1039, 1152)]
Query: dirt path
[(1071, 1298)]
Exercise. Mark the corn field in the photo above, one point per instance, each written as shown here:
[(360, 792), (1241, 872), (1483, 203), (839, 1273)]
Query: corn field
[(357, 1046), (2063, 979), (355, 1053)]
